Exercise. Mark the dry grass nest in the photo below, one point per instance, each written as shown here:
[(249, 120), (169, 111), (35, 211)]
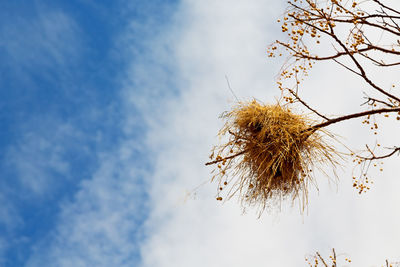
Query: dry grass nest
[(269, 156)]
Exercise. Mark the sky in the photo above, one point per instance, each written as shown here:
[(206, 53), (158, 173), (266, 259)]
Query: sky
[(108, 112)]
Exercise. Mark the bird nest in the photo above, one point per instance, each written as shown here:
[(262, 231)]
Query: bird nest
[(269, 156)]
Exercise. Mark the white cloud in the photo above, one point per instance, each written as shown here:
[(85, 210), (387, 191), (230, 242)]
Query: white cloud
[(225, 37)]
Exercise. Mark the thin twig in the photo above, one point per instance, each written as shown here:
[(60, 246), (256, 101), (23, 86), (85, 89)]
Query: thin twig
[(334, 257), (341, 64), (230, 88), (395, 149), (305, 104), (226, 158), (322, 259), (372, 101)]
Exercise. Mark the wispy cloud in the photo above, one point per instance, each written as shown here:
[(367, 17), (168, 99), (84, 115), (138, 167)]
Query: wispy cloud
[(9, 220), (97, 226), (39, 158), (47, 39), (37, 45), (101, 224)]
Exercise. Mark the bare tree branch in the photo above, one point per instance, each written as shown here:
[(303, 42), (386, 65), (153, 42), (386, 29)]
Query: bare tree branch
[(353, 116)]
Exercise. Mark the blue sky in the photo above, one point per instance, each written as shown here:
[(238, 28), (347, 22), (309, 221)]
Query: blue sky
[(108, 111), (62, 69)]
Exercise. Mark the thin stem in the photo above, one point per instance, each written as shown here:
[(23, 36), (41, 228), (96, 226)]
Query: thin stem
[(396, 149), (306, 105), (226, 158), (322, 259)]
